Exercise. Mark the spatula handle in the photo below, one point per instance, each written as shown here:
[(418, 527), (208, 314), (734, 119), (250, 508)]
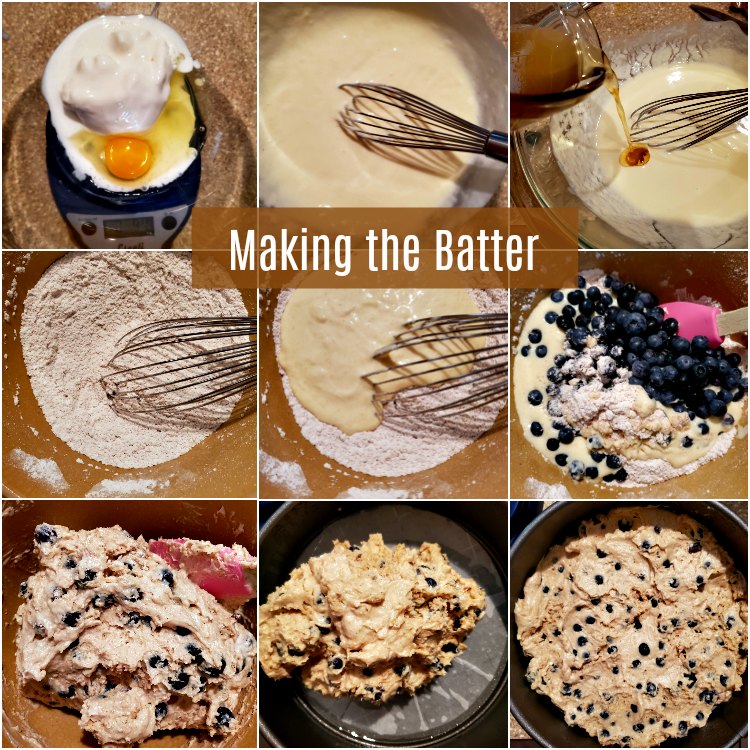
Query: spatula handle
[(734, 321)]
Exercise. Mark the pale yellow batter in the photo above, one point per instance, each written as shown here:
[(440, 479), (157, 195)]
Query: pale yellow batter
[(306, 52), (328, 337), (705, 185)]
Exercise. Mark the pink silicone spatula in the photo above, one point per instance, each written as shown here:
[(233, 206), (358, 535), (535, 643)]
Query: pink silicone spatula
[(695, 319), (228, 573)]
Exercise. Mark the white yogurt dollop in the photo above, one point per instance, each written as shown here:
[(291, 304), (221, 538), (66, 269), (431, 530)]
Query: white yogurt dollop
[(112, 74)]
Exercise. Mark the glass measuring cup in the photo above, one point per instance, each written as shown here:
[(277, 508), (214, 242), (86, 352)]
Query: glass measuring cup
[(556, 58)]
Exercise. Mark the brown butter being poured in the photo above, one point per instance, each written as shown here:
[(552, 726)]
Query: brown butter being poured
[(545, 64), (636, 154)]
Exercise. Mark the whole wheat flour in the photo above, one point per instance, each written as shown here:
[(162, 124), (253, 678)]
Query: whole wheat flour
[(399, 445), (72, 320)]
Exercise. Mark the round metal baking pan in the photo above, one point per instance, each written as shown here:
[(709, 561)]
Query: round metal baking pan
[(536, 713), (289, 716)]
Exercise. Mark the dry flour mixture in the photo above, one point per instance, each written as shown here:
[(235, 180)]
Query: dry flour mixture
[(72, 321)]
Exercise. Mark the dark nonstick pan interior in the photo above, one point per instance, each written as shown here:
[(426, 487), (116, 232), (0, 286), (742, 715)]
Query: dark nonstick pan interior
[(536, 713), (288, 717)]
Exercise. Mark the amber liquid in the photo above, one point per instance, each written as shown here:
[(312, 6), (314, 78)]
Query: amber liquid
[(545, 63), (635, 154)]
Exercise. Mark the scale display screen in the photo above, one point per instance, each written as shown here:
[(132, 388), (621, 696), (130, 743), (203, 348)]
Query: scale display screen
[(134, 227)]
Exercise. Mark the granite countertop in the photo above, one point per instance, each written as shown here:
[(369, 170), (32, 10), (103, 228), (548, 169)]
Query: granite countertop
[(519, 738), (616, 19), (222, 36)]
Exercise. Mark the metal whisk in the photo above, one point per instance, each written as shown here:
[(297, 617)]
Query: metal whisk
[(390, 116), (462, 356), (679, 122), (172, 366)]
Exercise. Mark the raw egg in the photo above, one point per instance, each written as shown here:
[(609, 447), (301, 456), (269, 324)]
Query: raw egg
[(120, 103), (139, 160)]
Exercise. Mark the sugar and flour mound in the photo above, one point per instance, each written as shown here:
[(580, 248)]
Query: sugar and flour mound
[(72, 320), (400, 445)]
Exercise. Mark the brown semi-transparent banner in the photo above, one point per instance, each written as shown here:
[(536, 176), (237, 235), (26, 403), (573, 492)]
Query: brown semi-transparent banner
[(276, 248)]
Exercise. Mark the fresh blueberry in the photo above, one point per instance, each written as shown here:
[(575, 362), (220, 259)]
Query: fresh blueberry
[(679, 345), (657, 340), (670, 326), (636, 344), (535, 397), (698, 372), (44, 534), (725, 395), (535, 335), (641, 369), (656, 377), (577, 337), (734, 359), (566, 435), (576, 470), (180, 681), (561, 459), (717, 408), (167, 577), (224, 717), (556, 296), (541, 351), (551, 316), (536, 429), (635, 324)]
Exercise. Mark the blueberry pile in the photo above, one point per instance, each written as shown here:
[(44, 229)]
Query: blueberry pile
[(672, 370)]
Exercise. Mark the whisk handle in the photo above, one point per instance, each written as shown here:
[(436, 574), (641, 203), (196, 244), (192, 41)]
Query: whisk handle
[(497, 146)]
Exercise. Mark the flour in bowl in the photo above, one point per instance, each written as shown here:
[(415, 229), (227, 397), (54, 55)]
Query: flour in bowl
[(72, 321)]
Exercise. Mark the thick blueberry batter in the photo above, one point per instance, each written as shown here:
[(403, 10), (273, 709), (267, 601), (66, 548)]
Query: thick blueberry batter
[(109, 630), (637, 629)]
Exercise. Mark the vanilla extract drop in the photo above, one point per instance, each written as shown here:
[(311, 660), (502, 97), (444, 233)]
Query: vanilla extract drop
[(635, 155)]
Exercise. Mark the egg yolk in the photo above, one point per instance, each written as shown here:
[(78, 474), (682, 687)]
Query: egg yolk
[(127, 158)]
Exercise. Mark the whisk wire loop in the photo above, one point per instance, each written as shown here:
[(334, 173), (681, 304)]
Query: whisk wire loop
[(461, 355), (171, 366), (390, 116), (679, 122)]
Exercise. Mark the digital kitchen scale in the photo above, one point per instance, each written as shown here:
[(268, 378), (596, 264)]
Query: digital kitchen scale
[(102, 219)]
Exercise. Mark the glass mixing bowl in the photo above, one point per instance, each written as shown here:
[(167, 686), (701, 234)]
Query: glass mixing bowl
[(561, 166)]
